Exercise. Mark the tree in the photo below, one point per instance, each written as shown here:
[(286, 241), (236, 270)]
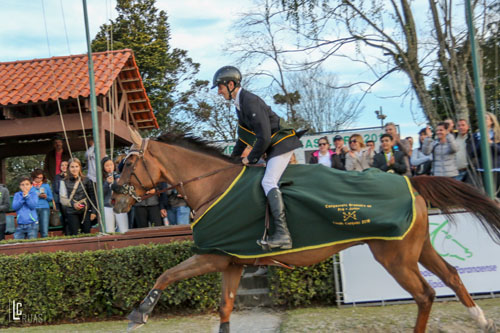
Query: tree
[(323, 106), (142, 28), (207, 114), (386, 36), (259, 42)]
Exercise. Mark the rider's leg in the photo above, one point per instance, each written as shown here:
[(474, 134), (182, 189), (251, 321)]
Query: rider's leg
[(274, 169)]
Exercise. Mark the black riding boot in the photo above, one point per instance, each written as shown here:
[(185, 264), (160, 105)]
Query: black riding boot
[(281, 237)]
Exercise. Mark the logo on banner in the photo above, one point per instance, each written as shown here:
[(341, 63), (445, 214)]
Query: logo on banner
[(451, 247)]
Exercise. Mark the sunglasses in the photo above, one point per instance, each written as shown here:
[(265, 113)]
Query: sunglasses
[(353, 141), (322, 144)]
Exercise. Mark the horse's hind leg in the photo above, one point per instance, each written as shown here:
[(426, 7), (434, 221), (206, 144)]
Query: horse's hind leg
[(194, 266), (401, 263), (431, 260), (230, 281)]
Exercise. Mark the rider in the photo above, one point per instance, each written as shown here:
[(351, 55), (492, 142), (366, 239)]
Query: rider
[(256, 124)]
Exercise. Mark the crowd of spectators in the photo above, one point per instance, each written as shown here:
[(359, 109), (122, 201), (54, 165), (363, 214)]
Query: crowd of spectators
[(446, 152)]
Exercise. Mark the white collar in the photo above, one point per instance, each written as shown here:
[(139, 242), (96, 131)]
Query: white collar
[(237, 99)]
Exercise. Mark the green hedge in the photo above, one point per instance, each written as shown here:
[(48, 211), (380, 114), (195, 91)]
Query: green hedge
[(303, 285), (71, 286)]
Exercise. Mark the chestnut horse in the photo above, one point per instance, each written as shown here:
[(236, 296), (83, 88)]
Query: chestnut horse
[(201, 173)]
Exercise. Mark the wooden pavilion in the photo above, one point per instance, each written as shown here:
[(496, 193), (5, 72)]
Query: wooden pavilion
[(42, 98)]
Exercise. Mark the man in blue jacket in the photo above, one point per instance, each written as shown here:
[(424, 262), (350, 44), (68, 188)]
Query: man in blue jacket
[(259, 127), (24, 203)]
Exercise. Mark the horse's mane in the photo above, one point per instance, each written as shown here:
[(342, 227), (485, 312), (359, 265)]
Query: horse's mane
[(194, 143)]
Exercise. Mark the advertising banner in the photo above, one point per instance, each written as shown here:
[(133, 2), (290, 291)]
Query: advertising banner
[(463, 243)]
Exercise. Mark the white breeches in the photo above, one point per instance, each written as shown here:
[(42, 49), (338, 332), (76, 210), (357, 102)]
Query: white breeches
[(113, 220), (274, 169)]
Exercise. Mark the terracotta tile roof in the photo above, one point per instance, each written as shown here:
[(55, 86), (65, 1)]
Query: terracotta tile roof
[(43, 80)]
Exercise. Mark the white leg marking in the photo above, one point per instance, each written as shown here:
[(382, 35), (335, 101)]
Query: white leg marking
[(477, 314)]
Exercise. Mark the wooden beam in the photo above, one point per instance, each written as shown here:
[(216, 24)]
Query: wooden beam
[(138, 101), (130, 80), (121, 107), (43, 125)]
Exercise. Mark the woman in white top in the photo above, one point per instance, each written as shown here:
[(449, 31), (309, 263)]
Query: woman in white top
[(359, 157)]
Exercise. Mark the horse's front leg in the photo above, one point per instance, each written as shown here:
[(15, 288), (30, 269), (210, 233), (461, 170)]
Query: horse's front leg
[(230, 281), (194, 266)]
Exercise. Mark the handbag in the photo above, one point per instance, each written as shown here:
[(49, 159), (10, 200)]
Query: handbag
[(55, 217), (10, 226)]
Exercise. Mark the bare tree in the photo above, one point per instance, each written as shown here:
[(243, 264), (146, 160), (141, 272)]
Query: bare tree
[(387, 38), (206, 114), (259, 42), (323, 106)]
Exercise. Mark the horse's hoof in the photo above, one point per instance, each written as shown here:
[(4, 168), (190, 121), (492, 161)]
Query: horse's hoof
[(224, 327), (491, 327), (133, 326), (137, 319)]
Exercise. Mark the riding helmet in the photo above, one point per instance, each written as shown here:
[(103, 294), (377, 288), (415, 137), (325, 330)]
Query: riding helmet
[(226, 74)]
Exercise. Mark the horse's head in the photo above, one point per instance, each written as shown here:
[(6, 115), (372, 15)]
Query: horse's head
[(140, 174)]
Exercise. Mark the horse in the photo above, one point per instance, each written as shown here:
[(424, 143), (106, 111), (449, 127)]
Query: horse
[(201, 173)]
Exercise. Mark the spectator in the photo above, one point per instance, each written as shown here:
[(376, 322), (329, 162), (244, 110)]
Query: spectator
[(370, 144), (443, 149), (451, 126), (388, 159), (148, 211), (359, 157), (493, 129), (176, 208), (56, 184), (401, 145), (24, 203), (339, 148), (53, 159), (44, 198), (76, 193), (326, 156), (421, 162), (409, 139), (113, 220), (463, 139), (90, 156), (4, 208), (293, 159)]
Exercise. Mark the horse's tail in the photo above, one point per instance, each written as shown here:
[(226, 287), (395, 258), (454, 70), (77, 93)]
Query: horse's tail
[(447, 193)]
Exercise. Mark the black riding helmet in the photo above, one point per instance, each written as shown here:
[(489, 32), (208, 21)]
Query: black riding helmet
[(226, 74)]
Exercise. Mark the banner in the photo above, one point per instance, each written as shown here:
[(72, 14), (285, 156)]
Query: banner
[(463, 243)]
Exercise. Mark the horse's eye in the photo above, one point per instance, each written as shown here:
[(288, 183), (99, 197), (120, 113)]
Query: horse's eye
[(128, 164)]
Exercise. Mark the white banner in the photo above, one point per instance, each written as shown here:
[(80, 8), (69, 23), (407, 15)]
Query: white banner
[(310, 142), (463, 244)]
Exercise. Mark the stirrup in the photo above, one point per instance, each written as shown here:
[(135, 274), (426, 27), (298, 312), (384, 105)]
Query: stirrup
[(264, 245)]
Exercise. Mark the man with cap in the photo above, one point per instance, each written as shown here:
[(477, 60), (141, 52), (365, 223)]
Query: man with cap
[(52, 162), (339, 148), (259, 127)]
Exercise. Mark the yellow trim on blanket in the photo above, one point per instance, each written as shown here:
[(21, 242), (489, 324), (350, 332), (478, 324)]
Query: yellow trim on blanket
[(286, 137), (312, 247), (245, 142), (246, 129), (220, 198)]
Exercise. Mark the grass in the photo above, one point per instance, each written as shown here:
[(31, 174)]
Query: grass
[(445, 317)]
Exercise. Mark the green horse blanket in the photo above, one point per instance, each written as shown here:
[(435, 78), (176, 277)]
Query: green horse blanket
[(324, 206)]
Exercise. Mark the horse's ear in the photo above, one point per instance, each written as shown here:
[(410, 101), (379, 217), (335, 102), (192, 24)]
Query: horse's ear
[(135, 136)]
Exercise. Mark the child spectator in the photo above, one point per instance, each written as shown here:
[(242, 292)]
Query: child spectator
[(113, 219), (44, 197), (24, 203)]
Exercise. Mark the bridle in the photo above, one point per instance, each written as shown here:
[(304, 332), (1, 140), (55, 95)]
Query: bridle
[(129, 189)]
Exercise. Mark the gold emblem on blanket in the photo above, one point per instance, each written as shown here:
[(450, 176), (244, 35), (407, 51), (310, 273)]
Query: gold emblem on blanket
[(348, 213)]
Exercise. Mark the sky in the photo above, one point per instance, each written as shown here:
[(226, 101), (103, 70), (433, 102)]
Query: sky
[(45, 28)]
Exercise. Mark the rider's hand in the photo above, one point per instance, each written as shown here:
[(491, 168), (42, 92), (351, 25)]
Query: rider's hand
[(245, 161)]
